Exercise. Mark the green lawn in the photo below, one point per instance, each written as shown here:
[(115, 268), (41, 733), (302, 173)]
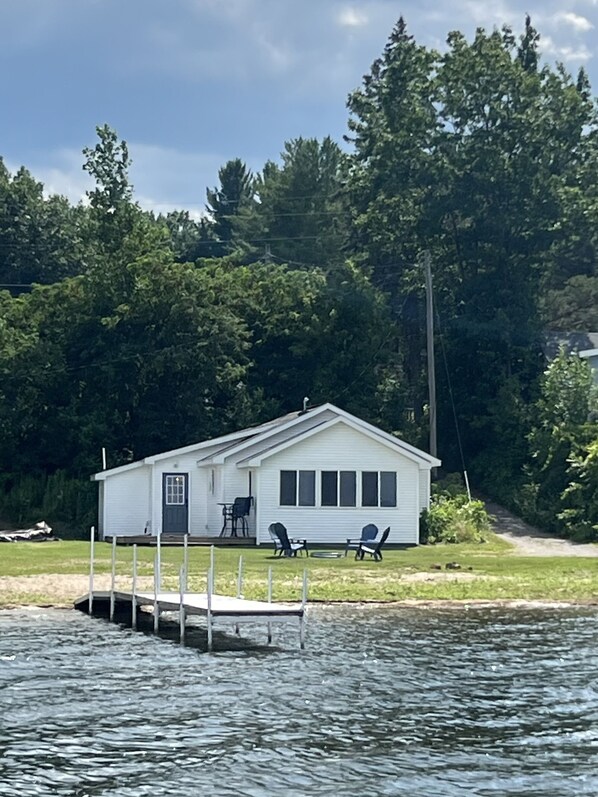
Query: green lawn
[(55, 573)]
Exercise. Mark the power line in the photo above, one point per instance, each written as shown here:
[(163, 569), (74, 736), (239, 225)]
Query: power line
[(291, 198), (114, 361), (22, 284), (296, 213), (451, 394)]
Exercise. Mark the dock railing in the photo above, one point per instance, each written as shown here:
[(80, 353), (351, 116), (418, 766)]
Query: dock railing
[(209, 604)]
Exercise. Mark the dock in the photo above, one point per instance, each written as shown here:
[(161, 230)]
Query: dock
[(209, 605)]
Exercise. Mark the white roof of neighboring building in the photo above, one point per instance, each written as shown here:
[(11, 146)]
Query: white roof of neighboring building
[(261, 436), (580, 342)]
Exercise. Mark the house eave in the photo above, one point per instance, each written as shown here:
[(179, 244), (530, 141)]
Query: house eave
[(424, 462)]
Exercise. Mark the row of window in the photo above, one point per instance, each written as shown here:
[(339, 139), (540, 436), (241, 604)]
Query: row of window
[(338, 488)]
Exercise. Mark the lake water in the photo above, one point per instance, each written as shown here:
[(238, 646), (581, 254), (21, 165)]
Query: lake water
[(414, 702)]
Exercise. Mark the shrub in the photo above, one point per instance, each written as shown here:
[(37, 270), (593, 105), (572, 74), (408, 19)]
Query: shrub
[(450, 485), (454, 519)]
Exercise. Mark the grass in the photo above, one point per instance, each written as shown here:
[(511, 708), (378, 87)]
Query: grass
[(30, 573)]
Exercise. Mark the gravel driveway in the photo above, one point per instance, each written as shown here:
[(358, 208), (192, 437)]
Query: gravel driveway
[(528, 541)]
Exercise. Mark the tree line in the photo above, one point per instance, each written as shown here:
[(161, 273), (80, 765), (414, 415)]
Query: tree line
[(146, 331)]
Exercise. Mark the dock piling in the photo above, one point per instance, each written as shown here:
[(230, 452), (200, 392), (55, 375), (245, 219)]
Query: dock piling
[(269, 601), (91, 558), (156, 604), (210, 586), (182, 590), (159, 558), (212, 568), (239, 587), (134, 591), (186, 554), (303, 605), (112, 578)]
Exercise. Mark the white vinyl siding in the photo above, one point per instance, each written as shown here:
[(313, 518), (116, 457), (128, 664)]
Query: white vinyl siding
[(340, 448), (126, 503)]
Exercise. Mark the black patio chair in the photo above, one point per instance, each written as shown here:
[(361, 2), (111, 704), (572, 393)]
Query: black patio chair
[(240, 512), (373, 549), (284, 545), (368, 534)]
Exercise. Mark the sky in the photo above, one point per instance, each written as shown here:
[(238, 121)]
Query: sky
[(190, 84)]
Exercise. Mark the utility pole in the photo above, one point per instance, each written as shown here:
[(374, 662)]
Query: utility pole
[(430, 350)]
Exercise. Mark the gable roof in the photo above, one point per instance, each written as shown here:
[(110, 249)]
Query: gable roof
[(225, 441), (292, 431), (389, 441), (233, 445)]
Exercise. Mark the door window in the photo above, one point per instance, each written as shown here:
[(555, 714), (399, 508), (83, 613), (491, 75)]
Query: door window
[(175, 490)]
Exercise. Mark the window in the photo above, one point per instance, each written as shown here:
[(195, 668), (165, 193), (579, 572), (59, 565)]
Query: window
[(369, 488), (297, 488), (307, 488), (288, 487), (348, 484), (388, 488), (338, 488), (329, 488), (379, 488)]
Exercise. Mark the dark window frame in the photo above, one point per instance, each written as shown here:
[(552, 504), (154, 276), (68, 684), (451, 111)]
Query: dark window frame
[(338, 489), (304, 476), (287, 492), (384, 497), (330, 488)]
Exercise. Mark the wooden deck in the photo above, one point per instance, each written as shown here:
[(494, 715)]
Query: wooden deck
[(174, 540)]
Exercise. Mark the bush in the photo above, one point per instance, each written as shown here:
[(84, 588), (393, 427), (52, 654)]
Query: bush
[(450, 486), (454, 519)]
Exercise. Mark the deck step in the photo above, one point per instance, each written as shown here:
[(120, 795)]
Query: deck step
[(178, 540)]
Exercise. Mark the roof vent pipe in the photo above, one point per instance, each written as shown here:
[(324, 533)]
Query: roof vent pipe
[(305, 403)]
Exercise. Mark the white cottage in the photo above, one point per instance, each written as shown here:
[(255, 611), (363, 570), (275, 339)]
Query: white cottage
[(323, 473)]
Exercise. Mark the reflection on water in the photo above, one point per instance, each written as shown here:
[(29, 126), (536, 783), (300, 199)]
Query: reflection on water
[(412, 702)]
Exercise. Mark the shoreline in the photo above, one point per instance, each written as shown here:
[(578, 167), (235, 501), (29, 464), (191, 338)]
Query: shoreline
[(408, 603)]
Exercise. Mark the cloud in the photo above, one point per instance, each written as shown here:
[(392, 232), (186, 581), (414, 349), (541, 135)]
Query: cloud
[(61, 173), (493, 14), (577, 22), (163, 178), (351, 18), (565, 52)]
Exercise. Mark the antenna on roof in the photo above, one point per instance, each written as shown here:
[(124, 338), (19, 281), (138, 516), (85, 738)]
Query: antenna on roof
[(305, 403)]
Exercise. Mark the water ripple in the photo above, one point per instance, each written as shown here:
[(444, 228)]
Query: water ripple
[(486, 702)]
